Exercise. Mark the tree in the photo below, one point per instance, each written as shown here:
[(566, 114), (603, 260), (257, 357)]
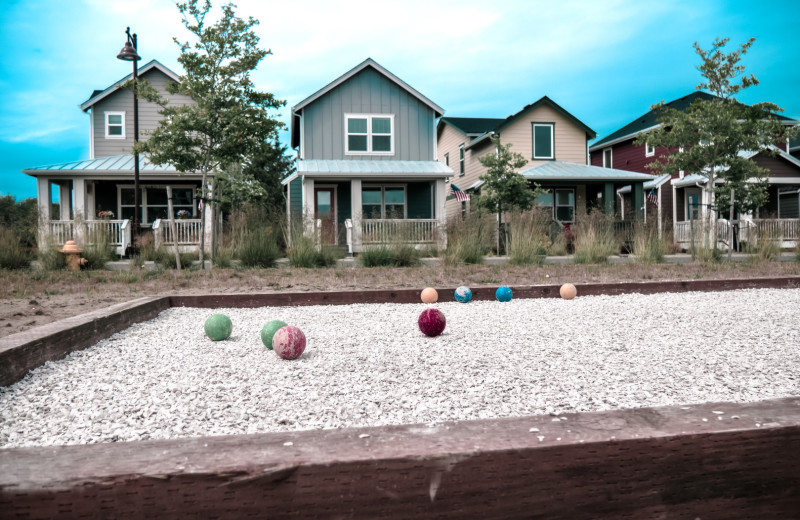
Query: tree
[(504, 188), (230, 120), (712, 136)]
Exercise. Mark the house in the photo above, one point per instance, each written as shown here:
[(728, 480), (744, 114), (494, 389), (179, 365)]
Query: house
[(97, 194), (555, 144), (366, 168), (679, 198)]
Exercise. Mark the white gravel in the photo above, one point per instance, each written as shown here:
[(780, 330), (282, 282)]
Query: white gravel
[(368, 365)]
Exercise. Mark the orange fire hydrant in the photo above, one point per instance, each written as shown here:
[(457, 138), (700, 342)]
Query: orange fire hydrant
[(73, 255)]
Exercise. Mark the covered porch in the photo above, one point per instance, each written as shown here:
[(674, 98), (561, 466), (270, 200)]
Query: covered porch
[(357, 204), (94, 200)]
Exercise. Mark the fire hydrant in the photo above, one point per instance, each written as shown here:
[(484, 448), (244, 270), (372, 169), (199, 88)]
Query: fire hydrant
[(73, 255)]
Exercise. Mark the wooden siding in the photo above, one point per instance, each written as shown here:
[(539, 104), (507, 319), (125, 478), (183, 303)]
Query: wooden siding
[(777, 167), (570, 140), (368, 92), (122, 101)]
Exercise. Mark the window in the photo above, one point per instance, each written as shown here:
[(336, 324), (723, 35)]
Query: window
[(369, 134), (154, 202), (447, 159), (461, 160), (115, 125), (383, 202), (543, 141), (692, 204), (607, 158), (789, 202), (649, 150), (560, 203)]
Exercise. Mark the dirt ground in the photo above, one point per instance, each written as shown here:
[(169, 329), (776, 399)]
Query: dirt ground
[(32, 298)]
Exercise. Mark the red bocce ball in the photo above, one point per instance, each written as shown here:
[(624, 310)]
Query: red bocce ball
[(431, 322)]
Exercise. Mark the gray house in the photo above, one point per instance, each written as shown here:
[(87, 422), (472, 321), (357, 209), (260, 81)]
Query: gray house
[(367, 171), (97, 194)]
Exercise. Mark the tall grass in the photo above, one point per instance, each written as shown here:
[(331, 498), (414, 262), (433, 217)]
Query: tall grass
[(254, 235), (395, 254), (98, 250), (258, 249), (529, 241), (648, 247), (468, 240), (12, 254), (595, 239), (765, 248)]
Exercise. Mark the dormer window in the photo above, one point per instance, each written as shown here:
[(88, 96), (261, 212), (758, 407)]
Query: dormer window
[(369, 134), (543, 141), (115, 125)]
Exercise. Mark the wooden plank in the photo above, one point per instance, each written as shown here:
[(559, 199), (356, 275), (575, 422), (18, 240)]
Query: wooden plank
[(669, 462)]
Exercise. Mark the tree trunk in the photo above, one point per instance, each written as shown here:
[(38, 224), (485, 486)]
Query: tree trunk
[(730, 230), (203, 221), (499, 225), (173, 228)]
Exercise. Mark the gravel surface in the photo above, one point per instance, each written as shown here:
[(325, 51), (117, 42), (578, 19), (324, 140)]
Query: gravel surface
[(368, 365)]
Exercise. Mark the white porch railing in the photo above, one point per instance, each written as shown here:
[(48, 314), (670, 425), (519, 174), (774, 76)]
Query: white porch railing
[(412, 231), (784, 230), (684, 230), (187, 230), (116, 232)]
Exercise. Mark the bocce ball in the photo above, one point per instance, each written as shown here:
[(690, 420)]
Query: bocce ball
[(463, 294), (431, 322), (503, 293), (218, 327), (269, 331), (568, 291), (429, 295), (289, 342)]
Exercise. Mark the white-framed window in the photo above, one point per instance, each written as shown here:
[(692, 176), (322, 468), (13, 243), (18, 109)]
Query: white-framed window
[(447, 159), (692, 209), (789, 202), (115, 125), (369, 134), (461, 168), (154, 202), (383, 202), (649, 150), (543, 141), (560, 203), (607, 158)]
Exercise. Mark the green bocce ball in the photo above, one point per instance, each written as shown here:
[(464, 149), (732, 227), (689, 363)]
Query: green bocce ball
[(218, 327), (269, 331)]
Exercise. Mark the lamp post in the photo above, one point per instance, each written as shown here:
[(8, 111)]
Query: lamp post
[(128, 53)]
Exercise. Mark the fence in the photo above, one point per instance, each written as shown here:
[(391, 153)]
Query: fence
[(187, 232), (118, 232)]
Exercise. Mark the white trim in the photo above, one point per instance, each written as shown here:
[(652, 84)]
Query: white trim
[(91, 134), (153, 64), (610, 155), (302, 136), (383, 187), (552, 127), (462, 160), (648, 150), (106, 124), (435, 141), (369, 134)]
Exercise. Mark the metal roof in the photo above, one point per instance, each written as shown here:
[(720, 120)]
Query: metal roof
[(651, 120), (566, 171), (97, 95), (339, 166), (690, 180), (649, 185), (473, 125), (114, 164)]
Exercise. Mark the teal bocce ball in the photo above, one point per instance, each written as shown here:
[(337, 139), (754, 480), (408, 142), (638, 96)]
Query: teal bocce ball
[(463, 294), (218, 327), (503, 293), (269, 330)]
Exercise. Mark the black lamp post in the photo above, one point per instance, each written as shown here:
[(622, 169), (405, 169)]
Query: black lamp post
[(128, 53)]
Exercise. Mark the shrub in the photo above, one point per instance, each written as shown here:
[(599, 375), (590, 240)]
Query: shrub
[(258, 249), (469, 239), (305, 253), (98, 250), (49, 258), (595, 239), (648, 247), (376, 256), (765, 247), (405, 255), (529, 239), (12, 254)]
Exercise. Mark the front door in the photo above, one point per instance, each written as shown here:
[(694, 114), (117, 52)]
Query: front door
[(325, 211)]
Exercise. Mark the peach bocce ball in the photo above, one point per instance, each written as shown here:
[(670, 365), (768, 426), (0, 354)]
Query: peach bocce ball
[(429, 295), (568, 291)]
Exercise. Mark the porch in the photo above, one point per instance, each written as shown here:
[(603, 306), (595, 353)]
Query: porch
[(116, 233), (187, 232), (372, 232), (785, 231)]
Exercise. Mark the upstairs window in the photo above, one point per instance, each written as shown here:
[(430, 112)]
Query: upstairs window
[(447, 159), (460, 160), (369, 134), (649, 150), (543, 141), (115, 125), (607, 158)]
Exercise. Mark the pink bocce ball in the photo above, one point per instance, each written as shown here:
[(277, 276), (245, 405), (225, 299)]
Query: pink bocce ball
[(431, 322), (289, 342)]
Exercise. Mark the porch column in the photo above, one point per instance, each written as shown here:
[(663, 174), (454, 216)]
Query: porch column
[(308, 205), (439, 212), (608, 198), (79, 208), (355, 204), (43, 202), (637, 198), (208, 216), (64, 200)]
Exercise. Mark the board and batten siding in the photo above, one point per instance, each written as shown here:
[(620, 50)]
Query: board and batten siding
[(368, 92), (570, 139), (122, 101)]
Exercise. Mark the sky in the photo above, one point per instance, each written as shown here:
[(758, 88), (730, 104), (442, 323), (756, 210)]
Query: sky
[(606, 62)]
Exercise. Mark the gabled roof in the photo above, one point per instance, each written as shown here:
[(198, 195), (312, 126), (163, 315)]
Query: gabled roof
[(780, 153), (567, 171), (113, 164), (98, 95), (649, 185), (513, 117), (369, 62), (473, 126), (651, 120)]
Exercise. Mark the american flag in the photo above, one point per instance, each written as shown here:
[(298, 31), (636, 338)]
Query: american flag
[(458, 194), (652, 196)]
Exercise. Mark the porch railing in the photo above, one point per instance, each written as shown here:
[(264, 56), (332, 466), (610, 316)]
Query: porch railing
[(785, 230), (116, 232), (412, 231), (187, 232), (683, 231)]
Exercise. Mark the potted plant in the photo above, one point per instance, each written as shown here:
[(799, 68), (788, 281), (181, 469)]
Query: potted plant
[(183, 214), (105, 214)]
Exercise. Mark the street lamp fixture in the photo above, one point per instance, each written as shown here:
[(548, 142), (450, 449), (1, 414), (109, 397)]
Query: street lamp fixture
[(129, 53)]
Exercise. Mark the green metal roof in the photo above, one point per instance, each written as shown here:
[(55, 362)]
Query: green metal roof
[(474, 125), (651, 119), (354, 167), (567, 171), (655, 183), (114, 164)]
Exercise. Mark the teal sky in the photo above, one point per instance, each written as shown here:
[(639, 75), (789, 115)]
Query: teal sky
[(604, 61)]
